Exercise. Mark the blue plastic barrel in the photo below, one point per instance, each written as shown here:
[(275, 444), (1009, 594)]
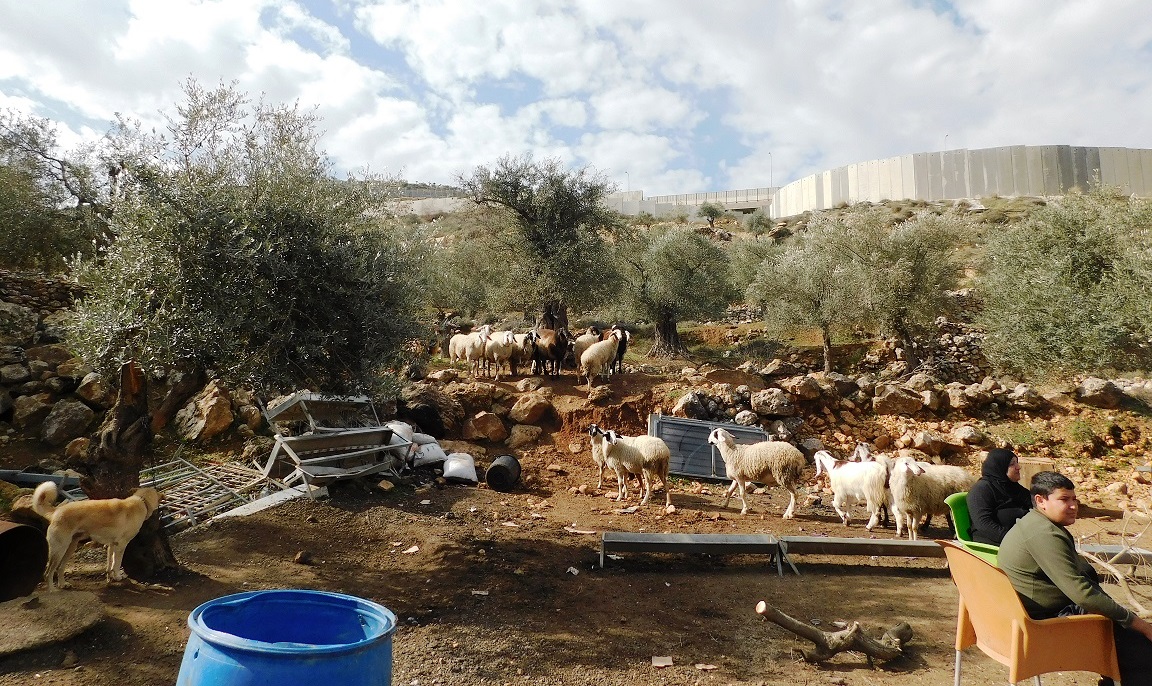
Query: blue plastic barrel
[(288, 637)]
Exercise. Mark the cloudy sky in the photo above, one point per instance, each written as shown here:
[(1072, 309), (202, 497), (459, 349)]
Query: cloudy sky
[(667, 96)]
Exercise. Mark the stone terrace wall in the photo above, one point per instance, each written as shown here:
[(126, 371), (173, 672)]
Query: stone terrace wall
[(44, 294)]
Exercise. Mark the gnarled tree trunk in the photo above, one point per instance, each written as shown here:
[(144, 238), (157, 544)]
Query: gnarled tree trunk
[(554, 316), (111, 469), (667, 340)]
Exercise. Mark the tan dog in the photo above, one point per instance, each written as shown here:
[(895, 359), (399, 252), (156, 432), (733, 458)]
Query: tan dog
[(111, 523)]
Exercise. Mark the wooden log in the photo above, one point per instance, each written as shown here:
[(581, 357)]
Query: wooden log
[(852, 638)]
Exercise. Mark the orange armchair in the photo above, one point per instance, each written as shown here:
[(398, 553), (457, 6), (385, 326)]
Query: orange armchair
[(992, 618)]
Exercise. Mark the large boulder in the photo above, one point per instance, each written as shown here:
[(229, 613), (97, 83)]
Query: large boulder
[(17, 324), (485, 425), (784, 429), (68, 419), (54, 354), (772, 402), (802, 387), (11, 374), (523, 435), (530, 408), (207, 415), (1099, 393), (1024, 397), (1140, 391), (690, 406), (891, 399), (29, 410), (95, 391), (844, 386), (429, 407), (746, 418)]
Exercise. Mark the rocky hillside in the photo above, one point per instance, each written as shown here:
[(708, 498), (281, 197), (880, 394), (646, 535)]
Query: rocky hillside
[(1096, 430)]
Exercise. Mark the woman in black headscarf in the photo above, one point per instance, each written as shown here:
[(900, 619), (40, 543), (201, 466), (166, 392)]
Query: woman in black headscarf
[(997, 500)]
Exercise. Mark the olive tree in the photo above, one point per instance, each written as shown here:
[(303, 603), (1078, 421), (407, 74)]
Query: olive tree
[(908, 266), (238, 252), (711, 212), (671, 276), (554, 250), (809, 284), (1067, 289), (51, 204)]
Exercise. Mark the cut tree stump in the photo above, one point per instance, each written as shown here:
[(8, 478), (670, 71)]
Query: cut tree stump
[(852, 638)]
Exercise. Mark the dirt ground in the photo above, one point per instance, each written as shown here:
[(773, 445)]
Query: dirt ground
[(505, 588)]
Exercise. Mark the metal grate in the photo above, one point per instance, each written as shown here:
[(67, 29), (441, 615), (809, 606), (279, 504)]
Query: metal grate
[(687, 439), (190, 494)]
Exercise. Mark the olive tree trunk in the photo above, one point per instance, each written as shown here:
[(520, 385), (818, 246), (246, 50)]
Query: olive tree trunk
[(667, 340), (554, 316), (110, 468), (826, 339)]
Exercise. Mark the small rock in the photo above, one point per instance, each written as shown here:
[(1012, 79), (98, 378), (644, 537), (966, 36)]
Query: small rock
[(304, 557)]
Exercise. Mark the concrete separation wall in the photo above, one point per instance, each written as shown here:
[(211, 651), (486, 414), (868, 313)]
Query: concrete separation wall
[(1040, 170)]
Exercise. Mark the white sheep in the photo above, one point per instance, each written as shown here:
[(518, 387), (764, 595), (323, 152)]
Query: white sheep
[(853, 481), (919, 490), (499, 350), (767, 462), (583, 341), (469, 348), (597, 439), (648, 456), (598, 358)]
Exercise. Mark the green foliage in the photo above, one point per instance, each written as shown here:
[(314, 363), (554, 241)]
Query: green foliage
[(1067, 289), (551, 244), (745, 258), (809, 284), (710, 211), (1020, 434), (36, 186), (671, 276), (758, 222), (238, 253), (862, 266), (644, 218)]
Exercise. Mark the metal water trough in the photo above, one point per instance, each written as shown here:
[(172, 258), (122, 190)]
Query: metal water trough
[(687, 439)]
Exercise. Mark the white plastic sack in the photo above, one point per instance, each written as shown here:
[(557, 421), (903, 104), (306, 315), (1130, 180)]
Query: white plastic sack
[(401, 429), (460, 467), (430, 453), (422, 439), (404, 449)]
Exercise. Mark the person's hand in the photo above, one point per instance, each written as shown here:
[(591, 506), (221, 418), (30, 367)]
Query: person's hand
[(1141, 626)]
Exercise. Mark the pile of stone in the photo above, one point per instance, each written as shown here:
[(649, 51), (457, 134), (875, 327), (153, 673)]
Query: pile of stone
[(37, 292)]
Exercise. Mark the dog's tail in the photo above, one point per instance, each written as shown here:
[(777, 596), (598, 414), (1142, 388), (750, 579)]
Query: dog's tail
[(44, 499)]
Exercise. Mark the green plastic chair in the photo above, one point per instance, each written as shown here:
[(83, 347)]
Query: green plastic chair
[(958, 503)]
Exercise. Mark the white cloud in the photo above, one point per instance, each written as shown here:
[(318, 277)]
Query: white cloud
[(682, 96)]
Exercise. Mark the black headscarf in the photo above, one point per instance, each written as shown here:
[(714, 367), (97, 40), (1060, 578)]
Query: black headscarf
[(995, 467), (996, 502)]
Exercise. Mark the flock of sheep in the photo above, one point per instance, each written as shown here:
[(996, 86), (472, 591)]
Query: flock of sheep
[(595, 353), (913, 491)]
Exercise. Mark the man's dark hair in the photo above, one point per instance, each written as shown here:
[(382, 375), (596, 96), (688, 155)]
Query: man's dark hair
[(1043, 483)]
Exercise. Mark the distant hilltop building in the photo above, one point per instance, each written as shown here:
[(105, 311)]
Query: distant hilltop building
[(1031, 170)]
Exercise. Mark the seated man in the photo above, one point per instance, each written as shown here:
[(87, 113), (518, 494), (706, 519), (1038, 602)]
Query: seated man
[(1039, 556)]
